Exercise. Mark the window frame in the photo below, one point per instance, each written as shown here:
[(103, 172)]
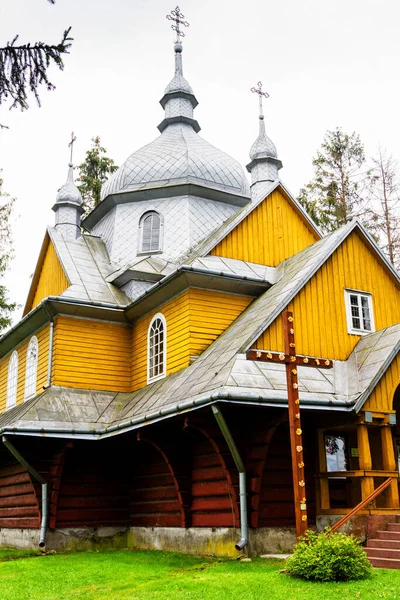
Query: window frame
[(161, 375), (14, 365), (142, 219), (31, 371), (349, 317)]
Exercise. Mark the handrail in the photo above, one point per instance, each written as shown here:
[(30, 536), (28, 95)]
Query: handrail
[(361, 505)]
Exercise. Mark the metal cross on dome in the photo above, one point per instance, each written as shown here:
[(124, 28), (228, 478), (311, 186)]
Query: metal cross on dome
[(178, 17), (71, 145), (258, 90)]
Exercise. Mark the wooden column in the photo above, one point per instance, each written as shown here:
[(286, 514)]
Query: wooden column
[(389, 464), (365, 460), (323, 483)]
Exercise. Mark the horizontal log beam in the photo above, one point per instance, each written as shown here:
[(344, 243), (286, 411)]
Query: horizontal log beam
[(281, 357)]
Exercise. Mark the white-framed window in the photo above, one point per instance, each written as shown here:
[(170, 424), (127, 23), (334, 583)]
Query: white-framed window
[(150, 232), (31, 368), (359, 313), (12, 381), (157, 348)]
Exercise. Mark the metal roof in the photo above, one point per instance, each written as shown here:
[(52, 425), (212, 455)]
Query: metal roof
[(220, 373)]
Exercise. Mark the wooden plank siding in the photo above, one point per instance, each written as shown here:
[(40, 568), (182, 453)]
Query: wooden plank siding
[(19, 507), (319, 308), (91, 354), (92, 491), (382, 396), (43, 343), (194, 319), (210, 314), (52, 279), (272, 232)]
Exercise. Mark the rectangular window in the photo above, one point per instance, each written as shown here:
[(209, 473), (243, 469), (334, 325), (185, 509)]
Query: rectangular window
[(335, 451), (359, 313)]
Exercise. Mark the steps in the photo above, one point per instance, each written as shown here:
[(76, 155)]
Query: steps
[(384, 551)]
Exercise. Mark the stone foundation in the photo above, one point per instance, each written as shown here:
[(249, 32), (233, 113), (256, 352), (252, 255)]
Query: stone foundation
[(216, 541), (219, 541)]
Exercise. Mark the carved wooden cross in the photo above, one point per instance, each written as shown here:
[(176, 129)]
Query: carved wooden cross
[(291, 360)]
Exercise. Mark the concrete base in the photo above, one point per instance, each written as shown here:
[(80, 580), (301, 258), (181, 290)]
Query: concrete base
[(200, 541), (216, 541), (83, 538)]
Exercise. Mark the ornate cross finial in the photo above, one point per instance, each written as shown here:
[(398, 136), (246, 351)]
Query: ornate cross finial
[(178, 17), (258, 90), (71, 145)]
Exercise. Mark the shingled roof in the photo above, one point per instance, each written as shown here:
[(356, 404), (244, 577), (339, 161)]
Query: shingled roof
[(221, 372)]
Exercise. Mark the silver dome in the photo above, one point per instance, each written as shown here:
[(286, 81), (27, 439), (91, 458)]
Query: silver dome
[(69, 193), (178, 154), (263, 146)]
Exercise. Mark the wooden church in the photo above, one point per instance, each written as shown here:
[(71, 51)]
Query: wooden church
[(144, 393)]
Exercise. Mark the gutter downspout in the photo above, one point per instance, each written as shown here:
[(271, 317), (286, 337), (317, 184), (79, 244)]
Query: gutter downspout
[(40, 479), (242, 476)]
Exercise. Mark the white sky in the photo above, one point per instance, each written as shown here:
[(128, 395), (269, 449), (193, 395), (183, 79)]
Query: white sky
[(323, 63)]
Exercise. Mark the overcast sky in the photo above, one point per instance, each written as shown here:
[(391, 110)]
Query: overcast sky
[(323, 63)]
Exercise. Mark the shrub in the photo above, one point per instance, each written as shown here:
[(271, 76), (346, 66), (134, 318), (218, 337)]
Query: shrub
[(328, 557)]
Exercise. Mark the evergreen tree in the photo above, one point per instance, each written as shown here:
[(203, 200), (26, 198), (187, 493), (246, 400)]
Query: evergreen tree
[(93, 172), (335, 192), (384, 188), (23, 68), (6, 205)]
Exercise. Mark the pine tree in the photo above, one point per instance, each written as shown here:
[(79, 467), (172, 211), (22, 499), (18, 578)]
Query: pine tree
[(384, 186), (336, 192), (93, 172), (24, 68), (6, 205)]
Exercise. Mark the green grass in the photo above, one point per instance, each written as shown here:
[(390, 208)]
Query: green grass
[(138, 575)]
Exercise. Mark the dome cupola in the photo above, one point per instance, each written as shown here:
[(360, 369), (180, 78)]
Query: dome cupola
[(179, 155), (264, 165), (68, 207)]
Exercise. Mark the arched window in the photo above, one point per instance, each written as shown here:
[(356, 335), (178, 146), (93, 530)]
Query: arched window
[(11, 397), (157, 348), (150, 232), (31, 368)]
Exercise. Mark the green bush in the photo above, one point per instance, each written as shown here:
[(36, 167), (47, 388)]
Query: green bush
[(328, 557)]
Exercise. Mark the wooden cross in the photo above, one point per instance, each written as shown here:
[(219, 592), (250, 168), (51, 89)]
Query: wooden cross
[(292, 360), (261, 94), (71, 145), (178, 17)]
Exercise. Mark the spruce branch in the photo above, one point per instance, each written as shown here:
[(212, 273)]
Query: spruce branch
[(24, 68)]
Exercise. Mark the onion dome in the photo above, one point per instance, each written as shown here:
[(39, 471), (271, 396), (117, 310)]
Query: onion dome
[(264, 165), (68, 208), (179, 155)]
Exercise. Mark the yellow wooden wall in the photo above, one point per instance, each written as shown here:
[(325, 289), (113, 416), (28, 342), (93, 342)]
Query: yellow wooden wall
[(210, 314), (92, 354), (43, 342), (194, 319), (52, 279), (269, 234), (319, 308), (381, 398)]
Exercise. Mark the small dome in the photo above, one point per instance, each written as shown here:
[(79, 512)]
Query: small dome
[(179, 154), (263, 146), (69, 192)]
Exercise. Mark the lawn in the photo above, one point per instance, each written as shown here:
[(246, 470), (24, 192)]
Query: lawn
[(138, 575)]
